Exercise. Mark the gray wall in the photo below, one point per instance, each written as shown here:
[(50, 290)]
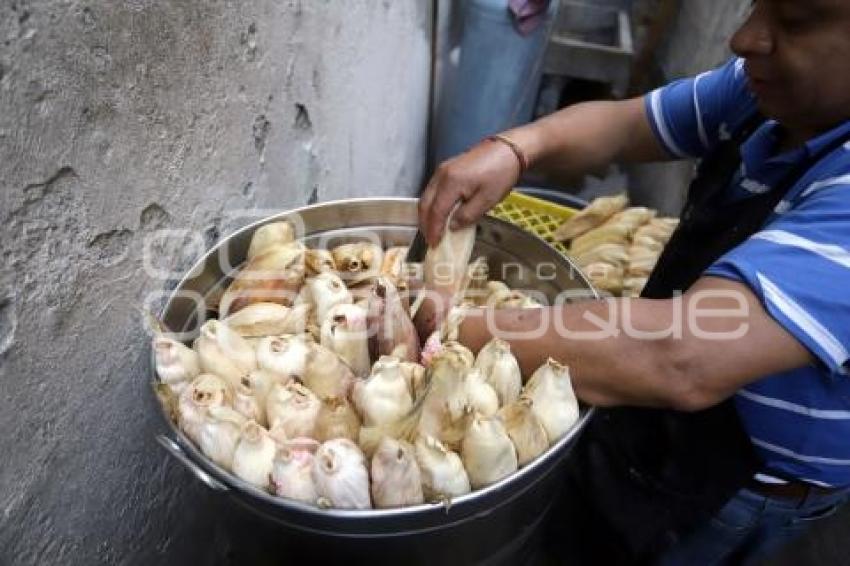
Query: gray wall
[(118, 118), (699, 39)]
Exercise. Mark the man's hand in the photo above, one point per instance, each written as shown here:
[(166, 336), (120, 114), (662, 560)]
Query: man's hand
[(479, 179), (570, 143)]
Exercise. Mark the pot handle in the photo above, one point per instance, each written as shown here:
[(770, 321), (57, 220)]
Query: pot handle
[(174, 449)]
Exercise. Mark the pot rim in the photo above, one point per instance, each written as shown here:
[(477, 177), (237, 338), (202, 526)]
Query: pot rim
[(547, 460)]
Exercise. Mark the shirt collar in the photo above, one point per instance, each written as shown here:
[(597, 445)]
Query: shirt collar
[(759, 149), (818, 143)]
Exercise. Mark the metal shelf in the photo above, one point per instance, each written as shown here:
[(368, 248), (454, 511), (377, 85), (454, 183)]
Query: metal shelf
[(591, 42)]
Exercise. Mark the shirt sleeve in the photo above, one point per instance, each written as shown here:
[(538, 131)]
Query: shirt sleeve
[(799, 266), (690, 116)]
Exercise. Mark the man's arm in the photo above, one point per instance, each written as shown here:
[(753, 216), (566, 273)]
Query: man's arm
[(688, 373), (589, 136), (574, 141)]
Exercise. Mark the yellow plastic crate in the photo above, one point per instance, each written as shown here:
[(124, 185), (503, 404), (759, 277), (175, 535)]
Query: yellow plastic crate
[(535, 215)]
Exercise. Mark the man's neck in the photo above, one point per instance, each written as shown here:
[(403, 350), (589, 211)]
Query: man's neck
[(793, 138)]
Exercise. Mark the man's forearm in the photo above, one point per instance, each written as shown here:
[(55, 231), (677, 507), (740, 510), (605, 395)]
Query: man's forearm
[(586, 137), (616, 369), (686, 353)]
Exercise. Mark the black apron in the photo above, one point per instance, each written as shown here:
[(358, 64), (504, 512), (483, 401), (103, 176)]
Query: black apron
[(654, 474)]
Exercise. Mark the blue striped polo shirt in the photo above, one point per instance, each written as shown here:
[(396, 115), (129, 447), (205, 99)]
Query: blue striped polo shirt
[(798, 264)]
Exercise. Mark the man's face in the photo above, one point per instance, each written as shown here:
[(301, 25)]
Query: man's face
[(798, 61)]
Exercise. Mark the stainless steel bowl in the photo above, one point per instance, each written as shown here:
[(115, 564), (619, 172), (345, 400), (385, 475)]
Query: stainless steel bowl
[(503, 510)]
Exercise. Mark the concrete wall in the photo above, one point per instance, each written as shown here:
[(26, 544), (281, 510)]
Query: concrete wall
[(118, 118), (700, 36)]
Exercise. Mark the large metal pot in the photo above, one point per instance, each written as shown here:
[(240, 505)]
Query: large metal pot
[(506, 511)]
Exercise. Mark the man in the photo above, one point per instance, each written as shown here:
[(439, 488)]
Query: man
[(768, 223)]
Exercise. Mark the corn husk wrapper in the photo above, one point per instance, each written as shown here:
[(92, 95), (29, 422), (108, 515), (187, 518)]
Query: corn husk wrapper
[(205, 391), (253, 458), (652, 230), (487, 451), (477, 275), (292, 470), (511, 299), (593, 215), (480, 396), (616, 254), (464, 353), (442, 471), (493, 291), (445, 276), (445, 408), (435, 346), (606, 234), (358, 262), (270, 235), (391, 331), (223, 352), (392, 266), (450, 329), (362, 288), (642, 261), (438, 396), (662, 228), (517, 300), (553, 400), (323, 292), (633, 286), (396, 480), (361, 300), (326, 374), (413, 375), (344, 332), (337, 419), (285, 356), (445, 266), (254, 341), (634, 217), (494, 287), (319, 261), (384, 396), (314, 332), (501, 370), (606, 277), (340, 475), (268, 319), (648, 243), (246, 403), (274, 276), (293, 409), (176, 364), (525, 430), (220, 433), (259, 382), (619, 229)]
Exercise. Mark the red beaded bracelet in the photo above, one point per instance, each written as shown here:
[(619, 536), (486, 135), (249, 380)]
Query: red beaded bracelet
[(520, 155)]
